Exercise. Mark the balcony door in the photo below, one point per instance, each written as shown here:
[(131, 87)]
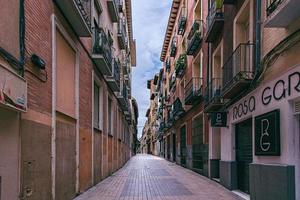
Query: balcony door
[(199, 149)]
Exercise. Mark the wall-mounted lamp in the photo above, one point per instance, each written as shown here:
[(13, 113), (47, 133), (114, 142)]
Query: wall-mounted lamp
[(38, 61)]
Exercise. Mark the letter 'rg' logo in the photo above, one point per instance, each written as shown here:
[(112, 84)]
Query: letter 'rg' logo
[(265, 146)]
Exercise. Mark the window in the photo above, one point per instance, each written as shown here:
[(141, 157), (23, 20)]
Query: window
[(98, 118), (110, 116)]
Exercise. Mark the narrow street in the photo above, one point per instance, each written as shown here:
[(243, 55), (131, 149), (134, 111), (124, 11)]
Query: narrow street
[(149, 177)]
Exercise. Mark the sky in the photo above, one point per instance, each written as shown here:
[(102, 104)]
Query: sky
[(150, 18)]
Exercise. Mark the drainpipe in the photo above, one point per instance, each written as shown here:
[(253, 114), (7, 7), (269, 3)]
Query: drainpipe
[(258, 67), (22, 36)]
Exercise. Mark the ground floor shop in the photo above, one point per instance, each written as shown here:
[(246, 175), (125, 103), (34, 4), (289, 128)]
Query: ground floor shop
[(186, 143), (257, 152)]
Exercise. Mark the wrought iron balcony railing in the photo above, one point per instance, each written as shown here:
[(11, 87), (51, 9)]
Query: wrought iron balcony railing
[(102, 46), (193, 90), (78, 13), (272, 5), (214, 20), (84, 7), (213, 90), (180, 65), (182, 21), (195, 37), (168, 64), (177, 109), (172, 82), (122, 33), (238, 69), (117, 74), (173, 48)]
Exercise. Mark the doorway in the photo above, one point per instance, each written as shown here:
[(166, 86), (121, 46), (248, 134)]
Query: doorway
[(244, 155), (183, 146), (174, 147)]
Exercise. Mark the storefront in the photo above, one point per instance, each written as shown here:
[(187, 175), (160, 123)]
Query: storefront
[(259, 146), (13, 101)]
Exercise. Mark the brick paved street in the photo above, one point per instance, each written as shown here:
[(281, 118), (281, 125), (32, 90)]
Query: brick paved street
[(149, 177)]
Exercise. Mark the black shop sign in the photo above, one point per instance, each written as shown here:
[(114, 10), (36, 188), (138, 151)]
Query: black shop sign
[(267, 134), (218, 119)]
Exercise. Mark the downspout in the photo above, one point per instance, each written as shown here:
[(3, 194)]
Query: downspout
[(258, 67), (22, 36)]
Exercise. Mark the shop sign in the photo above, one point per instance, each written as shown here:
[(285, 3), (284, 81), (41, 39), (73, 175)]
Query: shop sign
[(284, 88), (267, 134), (13, 90), (218, 119)]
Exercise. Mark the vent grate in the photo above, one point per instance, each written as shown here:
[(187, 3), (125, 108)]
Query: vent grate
[(297, 107)]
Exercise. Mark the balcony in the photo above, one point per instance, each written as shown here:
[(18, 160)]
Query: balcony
[(113, 10), (123, 97), (193, 91), (122, 34), (182, 21), (178, 110), (238, 71), (102, 52), (170, 119), (173, 48), (162, 127), (214, 21), (213, 100), (195, 38), (281, 13), (114, 80), (172, 82), (180, 65), (120, 6), (168, 64), (78, 13)]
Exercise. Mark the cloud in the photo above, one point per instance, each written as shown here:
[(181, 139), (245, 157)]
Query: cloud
[(150, 19)]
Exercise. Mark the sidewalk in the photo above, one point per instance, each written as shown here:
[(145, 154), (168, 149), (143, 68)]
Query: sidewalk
[(147, 177)]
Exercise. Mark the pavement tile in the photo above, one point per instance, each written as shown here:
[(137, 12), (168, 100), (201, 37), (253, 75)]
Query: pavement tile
[(146, 177)]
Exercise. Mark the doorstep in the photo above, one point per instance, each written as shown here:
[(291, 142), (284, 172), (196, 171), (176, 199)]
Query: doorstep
[(241, 194)]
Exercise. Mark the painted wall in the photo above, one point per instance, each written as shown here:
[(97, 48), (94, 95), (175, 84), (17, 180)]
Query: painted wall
[(9, 151)]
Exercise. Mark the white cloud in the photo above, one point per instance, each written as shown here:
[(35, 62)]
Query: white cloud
[(150, 19)]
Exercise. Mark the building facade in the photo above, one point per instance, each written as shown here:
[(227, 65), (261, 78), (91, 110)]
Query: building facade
[(228, 94), (67, 118), (183, 127), (252, 97)]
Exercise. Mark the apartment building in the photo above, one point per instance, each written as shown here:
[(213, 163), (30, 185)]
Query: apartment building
[(183, 129), (67, 117), (252, 96), (149, 134)]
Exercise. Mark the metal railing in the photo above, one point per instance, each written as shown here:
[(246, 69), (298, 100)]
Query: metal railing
[(116, 74), (168, 64), (193, 88), (271, 6), (195, 36), (180, 65), (177, 108), (102, 45), (239, 65), (182, 21), (214, 10), (84, 7), (122, 29), (213, 89), (173, 48)]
